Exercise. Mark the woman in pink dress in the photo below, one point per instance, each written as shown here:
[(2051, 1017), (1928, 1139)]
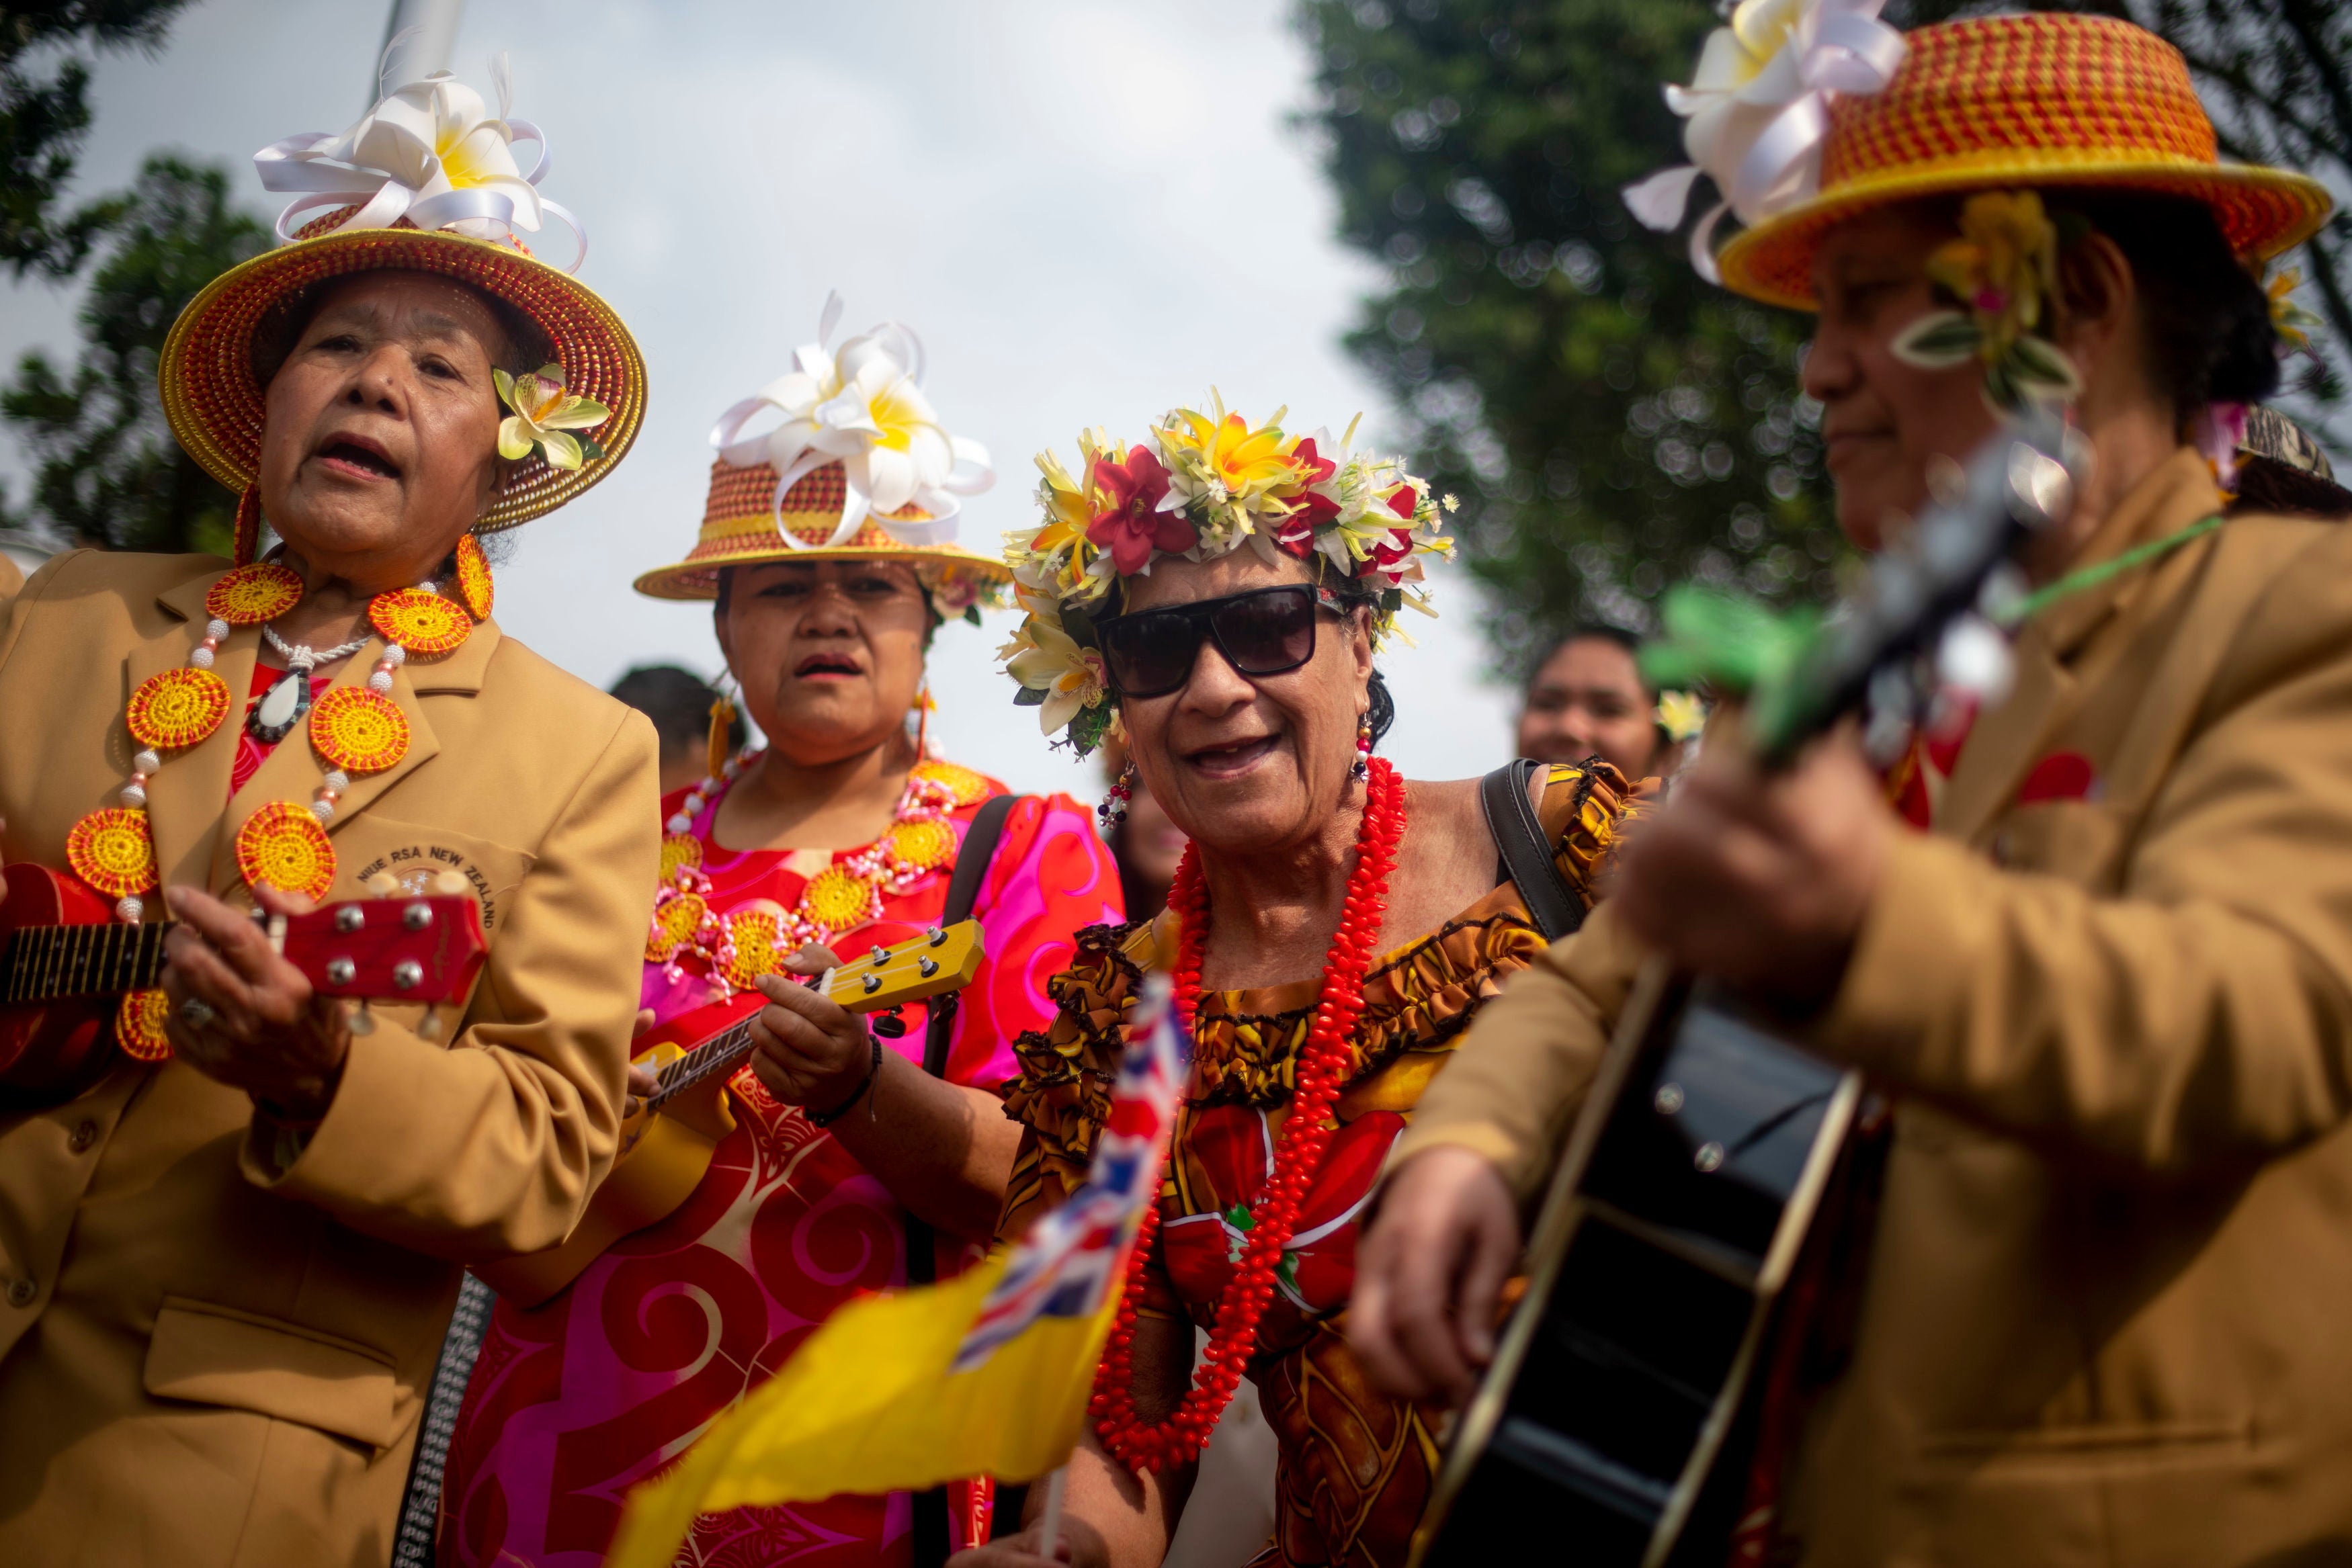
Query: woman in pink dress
[(843, 831)]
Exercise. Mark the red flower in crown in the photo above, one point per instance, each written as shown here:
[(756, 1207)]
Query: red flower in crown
[(1315, 507), (1130, 526)]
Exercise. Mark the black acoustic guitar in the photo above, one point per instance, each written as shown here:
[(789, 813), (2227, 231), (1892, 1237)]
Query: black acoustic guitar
[(1687, 1189)]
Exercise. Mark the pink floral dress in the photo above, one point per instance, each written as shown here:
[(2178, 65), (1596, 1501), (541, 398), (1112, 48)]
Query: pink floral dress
[(574, 1402)]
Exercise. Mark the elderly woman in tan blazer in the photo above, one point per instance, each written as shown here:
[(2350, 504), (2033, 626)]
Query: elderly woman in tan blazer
[(2100, 1303), (227, 1261)]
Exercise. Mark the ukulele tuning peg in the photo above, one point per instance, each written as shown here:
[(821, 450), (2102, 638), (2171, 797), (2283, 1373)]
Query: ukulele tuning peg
[(889, 1024), (429, 1026), (361, 1019)]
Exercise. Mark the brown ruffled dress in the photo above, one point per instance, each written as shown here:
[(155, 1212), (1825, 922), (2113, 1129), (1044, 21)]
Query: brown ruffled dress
[(1355, 1466)]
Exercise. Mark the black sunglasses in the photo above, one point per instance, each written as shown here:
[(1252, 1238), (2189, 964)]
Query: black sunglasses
[(1262, 633)]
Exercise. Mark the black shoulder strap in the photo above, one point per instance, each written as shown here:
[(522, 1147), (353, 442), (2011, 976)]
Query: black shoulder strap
[(963, 890), (931, 1539), (1527, 859)]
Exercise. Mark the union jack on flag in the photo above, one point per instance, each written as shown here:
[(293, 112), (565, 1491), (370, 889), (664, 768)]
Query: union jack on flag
[(1076, 1254)]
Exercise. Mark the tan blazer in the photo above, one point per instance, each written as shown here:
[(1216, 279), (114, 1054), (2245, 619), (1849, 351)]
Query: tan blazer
[(2108, 1316), (11, 580), (205, 1360)]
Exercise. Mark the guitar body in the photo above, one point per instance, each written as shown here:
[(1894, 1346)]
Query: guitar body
[(1668, 1234), (663, 1158), (53, 1050)]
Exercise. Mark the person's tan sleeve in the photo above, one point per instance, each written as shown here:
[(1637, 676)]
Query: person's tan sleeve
[(1514, 1084), (12, 579), (2202, 1020), (490, 1146)]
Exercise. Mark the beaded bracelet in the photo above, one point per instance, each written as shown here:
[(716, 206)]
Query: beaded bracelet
[(873, 1070)]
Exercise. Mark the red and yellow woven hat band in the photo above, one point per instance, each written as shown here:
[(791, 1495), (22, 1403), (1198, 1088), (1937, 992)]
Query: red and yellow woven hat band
[(743, 523), (2043, 100)]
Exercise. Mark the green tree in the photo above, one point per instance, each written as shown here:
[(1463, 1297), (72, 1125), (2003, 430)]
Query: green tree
[(45, 114), (1612, 422), (2276, 76), (106, 471)]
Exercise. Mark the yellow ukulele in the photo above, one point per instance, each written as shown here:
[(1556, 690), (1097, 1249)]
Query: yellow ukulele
[(668, 1143)]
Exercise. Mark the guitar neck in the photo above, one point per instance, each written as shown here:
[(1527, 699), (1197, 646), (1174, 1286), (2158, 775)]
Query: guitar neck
[(722, 1052), (44, 963)]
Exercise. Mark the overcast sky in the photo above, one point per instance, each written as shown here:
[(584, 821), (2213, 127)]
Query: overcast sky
[(1088, 211)]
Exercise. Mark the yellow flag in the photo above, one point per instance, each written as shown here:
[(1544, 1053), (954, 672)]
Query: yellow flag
[(869, 1404), (987, 1374)]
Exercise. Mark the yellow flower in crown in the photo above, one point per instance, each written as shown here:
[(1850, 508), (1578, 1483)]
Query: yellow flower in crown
[(1223, 470), (1058, 552), (545, 416)]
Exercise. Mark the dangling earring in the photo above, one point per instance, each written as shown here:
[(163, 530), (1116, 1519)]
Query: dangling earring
[(1113, 810), (1363, 767), (245, 543), (923, 706), (722, 733)]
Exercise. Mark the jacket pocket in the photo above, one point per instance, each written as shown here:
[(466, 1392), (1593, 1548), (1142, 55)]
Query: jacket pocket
[(413, 854), (2131, 1441), (218, 1355)]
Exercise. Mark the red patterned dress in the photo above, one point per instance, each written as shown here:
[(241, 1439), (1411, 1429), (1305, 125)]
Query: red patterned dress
[(574, 1402), (1355, 1466)]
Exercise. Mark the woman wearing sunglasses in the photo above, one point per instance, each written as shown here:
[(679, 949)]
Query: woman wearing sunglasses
[(1218, 591)]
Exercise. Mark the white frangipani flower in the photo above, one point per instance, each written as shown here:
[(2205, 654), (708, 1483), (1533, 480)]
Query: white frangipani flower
[(431, 152), (1758, 109), (863, 407)]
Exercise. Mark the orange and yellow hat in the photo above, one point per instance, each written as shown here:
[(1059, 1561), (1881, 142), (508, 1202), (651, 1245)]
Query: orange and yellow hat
[(425, 181), (859, 468), (1806, 112)]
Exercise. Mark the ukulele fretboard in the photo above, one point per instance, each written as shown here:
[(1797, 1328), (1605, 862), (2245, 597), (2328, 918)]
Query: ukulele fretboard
[(720, 1053), (45, 962)]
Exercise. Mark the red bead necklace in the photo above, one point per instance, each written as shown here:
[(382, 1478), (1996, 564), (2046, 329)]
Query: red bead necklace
[(1297, 1155)]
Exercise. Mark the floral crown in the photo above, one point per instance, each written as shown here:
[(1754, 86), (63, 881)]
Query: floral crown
[(1200, 486)]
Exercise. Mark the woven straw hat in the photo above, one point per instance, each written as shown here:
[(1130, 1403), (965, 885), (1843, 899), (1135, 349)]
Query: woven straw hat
[(213, 400), (2042, 101), (744, 525)]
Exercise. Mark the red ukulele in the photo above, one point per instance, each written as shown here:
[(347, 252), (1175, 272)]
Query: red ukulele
[(66, 963)]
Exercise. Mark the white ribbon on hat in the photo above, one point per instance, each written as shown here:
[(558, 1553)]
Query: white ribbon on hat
[(390, 166), (1757, 109), (863, 408)]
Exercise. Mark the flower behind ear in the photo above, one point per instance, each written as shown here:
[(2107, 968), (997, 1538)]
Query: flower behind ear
[(544, 416), (2003, 272)]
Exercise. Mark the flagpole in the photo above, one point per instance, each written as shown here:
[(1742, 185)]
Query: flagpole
[(1049, 1518)]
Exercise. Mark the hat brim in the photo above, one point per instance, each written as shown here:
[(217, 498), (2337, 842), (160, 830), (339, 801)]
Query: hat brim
[(2262, 211), (697, 578), (215, 406)]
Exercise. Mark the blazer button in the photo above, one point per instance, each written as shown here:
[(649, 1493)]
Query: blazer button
[(82, 1136), (21, 1293)]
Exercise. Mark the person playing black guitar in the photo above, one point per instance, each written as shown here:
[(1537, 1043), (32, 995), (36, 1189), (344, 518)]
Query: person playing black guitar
[(2095, 1290)]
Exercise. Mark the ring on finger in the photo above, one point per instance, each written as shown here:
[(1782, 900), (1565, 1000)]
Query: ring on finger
[(196, 1012)]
